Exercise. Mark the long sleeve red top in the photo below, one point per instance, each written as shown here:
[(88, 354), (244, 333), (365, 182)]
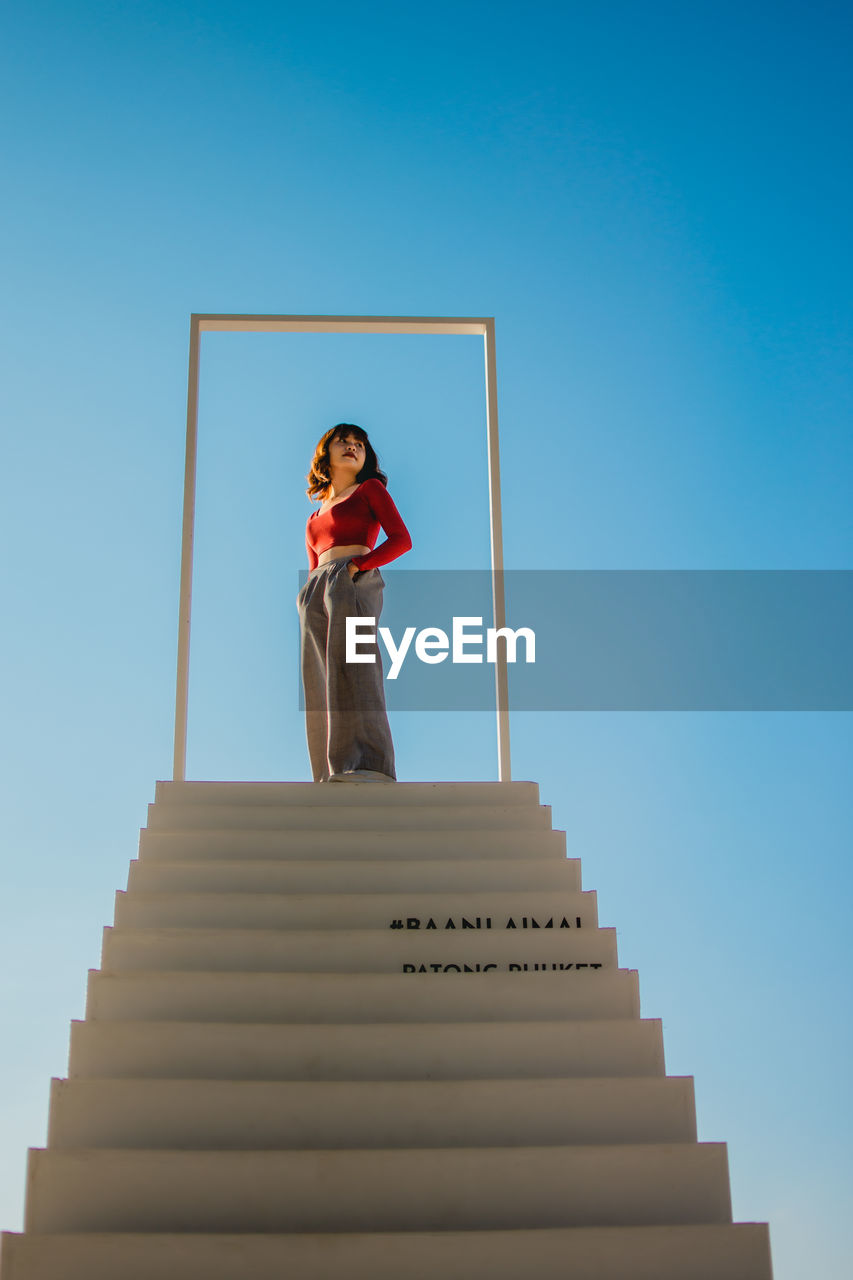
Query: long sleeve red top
[(356, 520)]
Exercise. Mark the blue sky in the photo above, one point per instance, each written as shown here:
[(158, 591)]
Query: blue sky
[(654, 203)]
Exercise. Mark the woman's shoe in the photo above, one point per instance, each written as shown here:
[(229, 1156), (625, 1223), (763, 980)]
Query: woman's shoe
[(361, 775)]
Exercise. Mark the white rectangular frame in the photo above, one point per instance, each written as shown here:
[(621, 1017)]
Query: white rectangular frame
[(339, 324)]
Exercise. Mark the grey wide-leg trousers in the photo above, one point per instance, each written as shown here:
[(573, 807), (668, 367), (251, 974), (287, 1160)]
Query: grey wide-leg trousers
[(345, 718)]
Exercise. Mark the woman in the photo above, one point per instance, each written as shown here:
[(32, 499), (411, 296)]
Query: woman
[(349, 739)]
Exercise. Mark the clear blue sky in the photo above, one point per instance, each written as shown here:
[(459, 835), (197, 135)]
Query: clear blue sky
[(654, 201)]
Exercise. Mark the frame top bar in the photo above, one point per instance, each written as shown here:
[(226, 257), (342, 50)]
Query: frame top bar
[(342, 324)]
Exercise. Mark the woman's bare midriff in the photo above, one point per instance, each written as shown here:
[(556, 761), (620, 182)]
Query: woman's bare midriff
[(336, 553)]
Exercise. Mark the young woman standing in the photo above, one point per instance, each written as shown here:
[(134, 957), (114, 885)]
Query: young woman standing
[(349, 738)]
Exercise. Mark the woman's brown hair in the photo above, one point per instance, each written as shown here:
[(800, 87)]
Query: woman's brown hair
[(319, 477)]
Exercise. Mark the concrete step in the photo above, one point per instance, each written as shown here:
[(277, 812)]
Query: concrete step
[(718, 1252), (258, 794), (356, 951), (229, 1115), (446, 875), (456, 1189), (552, 911), (366, 1051), (396, 846), (350, 817), (370, 997)]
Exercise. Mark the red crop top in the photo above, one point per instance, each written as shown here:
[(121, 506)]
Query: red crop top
[(356, 521)]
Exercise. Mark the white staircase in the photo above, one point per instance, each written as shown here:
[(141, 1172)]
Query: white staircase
[(369, 1031)]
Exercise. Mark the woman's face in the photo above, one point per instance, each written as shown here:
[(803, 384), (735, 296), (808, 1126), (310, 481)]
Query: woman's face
[(347, 453)]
